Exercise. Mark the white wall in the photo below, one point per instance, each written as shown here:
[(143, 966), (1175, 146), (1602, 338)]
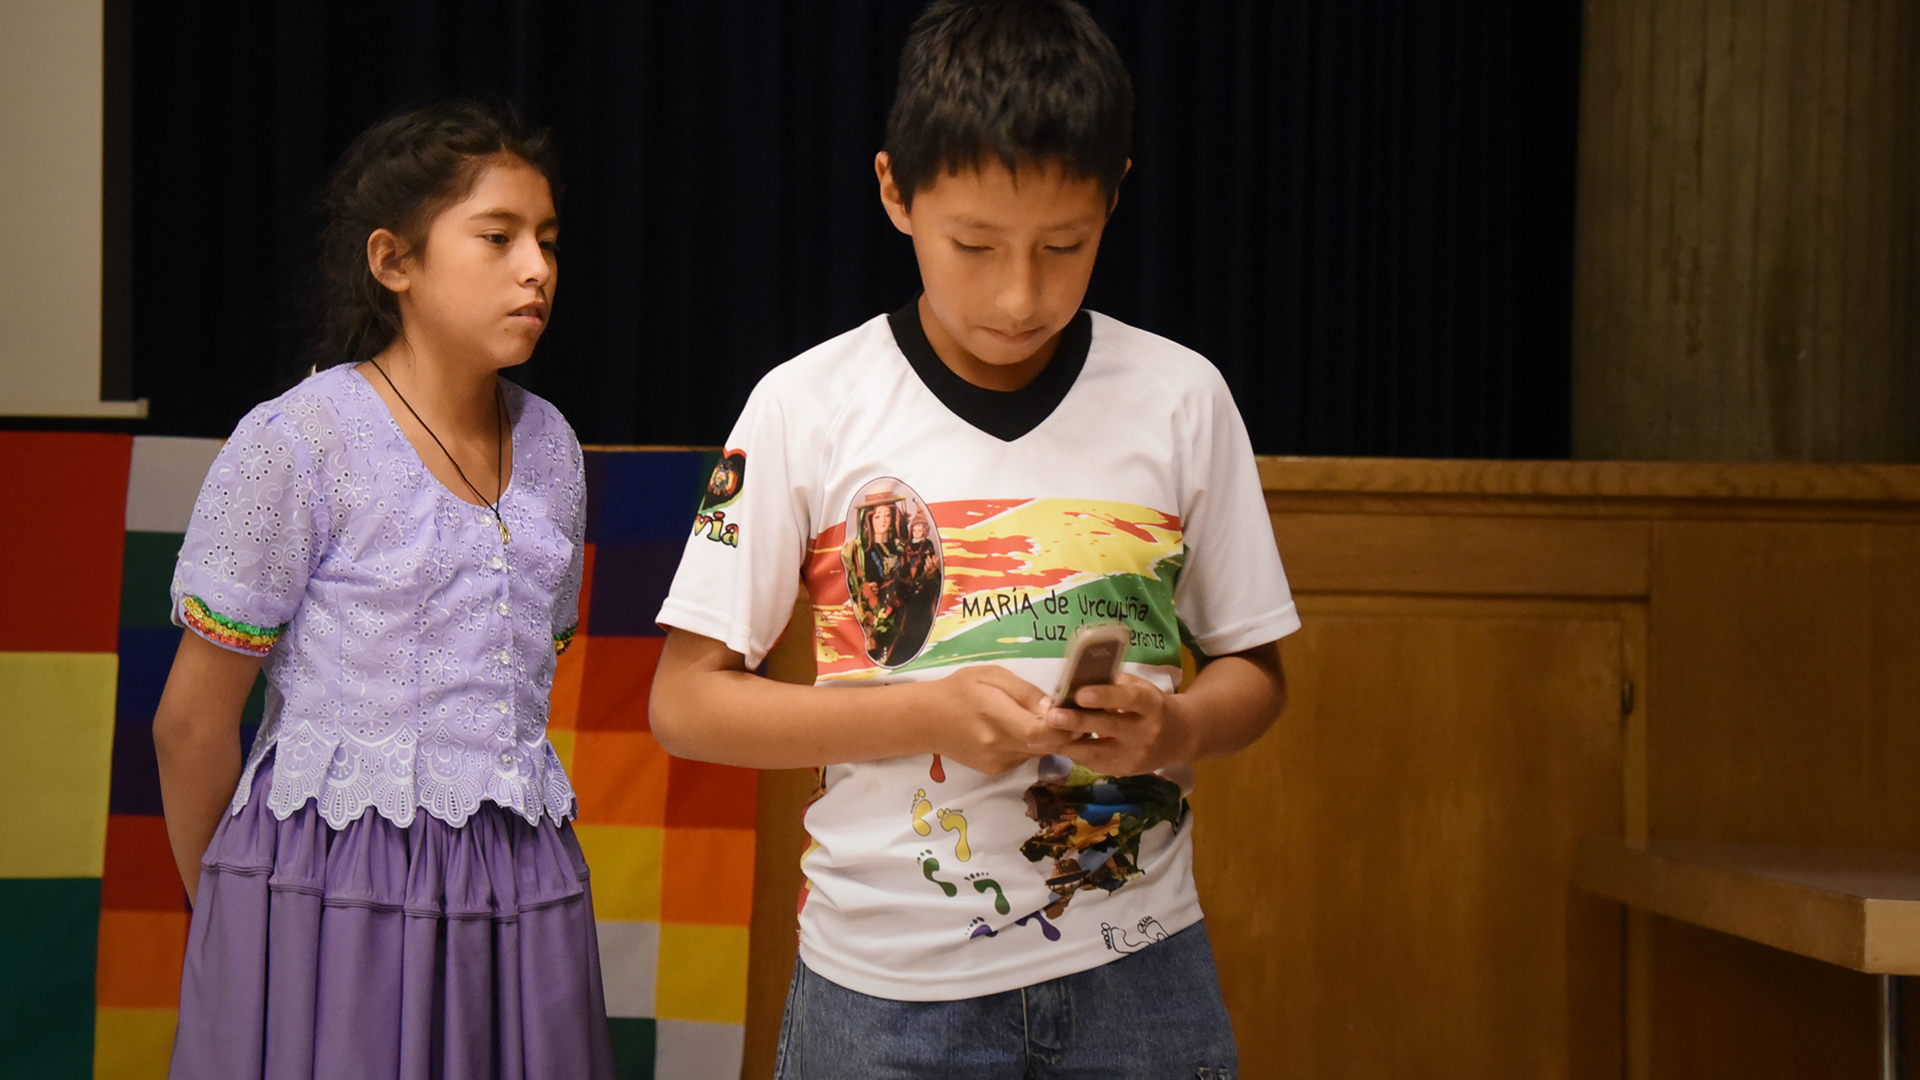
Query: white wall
[(51, 98)]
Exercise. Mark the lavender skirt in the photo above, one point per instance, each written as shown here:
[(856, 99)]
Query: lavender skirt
[(420, 953)]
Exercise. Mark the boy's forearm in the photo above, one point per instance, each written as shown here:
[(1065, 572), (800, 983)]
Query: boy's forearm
[(1234, 700), (705, 705)]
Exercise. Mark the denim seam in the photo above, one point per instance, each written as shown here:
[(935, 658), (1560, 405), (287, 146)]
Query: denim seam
[(1026, 1035)]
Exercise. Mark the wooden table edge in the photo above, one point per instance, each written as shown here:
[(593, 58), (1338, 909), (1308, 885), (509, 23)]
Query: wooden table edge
[(1866, 934)]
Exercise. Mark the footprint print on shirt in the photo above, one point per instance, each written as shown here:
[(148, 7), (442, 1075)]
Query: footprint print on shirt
[(930, 866), (978, 928), (921, 808), (955, 821), (981, 883)]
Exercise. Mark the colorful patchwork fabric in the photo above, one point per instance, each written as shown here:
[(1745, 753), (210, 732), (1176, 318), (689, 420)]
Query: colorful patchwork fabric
[(229, 632), (563, 639)]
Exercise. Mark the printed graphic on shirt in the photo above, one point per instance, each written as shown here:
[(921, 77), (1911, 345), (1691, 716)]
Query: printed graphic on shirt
[(1090, 825), (1004, 579), (1148, 930), (978, 928), (723, 489), (893, 565)]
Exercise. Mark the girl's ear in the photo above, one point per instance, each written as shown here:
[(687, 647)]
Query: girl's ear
[(386, 261)]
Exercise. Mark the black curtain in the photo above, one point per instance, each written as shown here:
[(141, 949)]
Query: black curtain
[(1361, 210)]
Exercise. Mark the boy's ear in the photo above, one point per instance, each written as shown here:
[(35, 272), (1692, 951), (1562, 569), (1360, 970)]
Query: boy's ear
[(890, 194), (386, 262), (1114, 202)]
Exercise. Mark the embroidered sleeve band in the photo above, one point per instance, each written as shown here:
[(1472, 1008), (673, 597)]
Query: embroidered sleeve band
[(563, 639), (229, 632)]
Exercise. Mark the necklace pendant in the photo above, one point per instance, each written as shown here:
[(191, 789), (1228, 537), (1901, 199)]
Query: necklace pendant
[(505, 536)]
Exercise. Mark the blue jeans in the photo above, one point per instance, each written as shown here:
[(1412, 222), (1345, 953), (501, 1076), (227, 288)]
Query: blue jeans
[(1155, 1014)]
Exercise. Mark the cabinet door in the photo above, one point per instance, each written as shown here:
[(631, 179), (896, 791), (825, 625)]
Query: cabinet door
[(1386, 873)]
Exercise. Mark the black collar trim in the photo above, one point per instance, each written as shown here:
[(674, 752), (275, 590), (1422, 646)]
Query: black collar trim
[(1004, 414)]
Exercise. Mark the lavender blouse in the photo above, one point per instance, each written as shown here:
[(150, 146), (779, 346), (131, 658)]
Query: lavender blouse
[(409, 652)]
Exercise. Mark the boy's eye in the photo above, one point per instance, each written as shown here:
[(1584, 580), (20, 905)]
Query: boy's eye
[(971, 249), (1064, 249)]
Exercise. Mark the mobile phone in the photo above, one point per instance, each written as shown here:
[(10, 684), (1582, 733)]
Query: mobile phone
[(1094, 653)]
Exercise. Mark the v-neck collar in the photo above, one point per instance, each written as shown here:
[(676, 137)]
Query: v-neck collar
[(1004, 414)]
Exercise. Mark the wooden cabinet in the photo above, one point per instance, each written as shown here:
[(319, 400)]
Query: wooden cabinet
[(1385, 874)]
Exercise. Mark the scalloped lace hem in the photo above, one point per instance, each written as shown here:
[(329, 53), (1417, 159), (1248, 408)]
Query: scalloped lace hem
[(397, 797)]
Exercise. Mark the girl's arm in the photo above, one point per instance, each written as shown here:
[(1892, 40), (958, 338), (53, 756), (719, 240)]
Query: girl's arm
[(196, 736), (707, 705)]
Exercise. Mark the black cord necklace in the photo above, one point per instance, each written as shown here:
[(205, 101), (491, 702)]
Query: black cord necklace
[(499, 443)]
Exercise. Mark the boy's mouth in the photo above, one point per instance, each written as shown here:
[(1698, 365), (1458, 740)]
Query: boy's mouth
[(535, 311), (1014, 337)]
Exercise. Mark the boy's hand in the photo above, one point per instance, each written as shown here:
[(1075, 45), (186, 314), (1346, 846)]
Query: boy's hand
[(993, 720), (1127, 728)]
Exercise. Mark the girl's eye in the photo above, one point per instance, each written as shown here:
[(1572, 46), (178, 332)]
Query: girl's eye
[(496, 239), (552, 246)]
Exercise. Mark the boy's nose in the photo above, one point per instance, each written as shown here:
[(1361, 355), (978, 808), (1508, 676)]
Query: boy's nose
[(1020, 292)]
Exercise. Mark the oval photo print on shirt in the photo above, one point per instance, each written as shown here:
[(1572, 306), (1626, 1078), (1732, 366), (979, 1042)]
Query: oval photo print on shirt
[(894, 569)]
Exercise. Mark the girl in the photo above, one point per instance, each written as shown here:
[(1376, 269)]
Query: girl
[(389, 886)]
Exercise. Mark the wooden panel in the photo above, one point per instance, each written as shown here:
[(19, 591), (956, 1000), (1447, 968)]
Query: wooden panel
[(1574, 486), (1744, 228), (1783, 660), (1387, 874), (1723, 1007), (1452, 555)]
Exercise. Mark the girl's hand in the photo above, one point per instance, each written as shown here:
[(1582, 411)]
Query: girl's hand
[(991, 720), (1127, 728)]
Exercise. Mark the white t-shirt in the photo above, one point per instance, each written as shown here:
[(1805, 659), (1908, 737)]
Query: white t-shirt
[(1120, 486)]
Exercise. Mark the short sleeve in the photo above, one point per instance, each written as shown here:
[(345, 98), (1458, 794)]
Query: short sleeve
[(566, 602), (740, 571), (1232, 594), (254, 536)]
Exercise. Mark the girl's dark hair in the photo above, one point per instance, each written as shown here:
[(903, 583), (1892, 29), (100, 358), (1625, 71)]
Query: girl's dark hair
[(1030, 82), (399, 175)]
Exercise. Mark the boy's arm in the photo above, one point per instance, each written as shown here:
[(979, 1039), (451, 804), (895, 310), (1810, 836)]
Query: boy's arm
[(1140, 727), (707, 705)]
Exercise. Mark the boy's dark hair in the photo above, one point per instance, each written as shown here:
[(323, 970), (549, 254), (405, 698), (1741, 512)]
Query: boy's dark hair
[(1030, 82), (399, 175)]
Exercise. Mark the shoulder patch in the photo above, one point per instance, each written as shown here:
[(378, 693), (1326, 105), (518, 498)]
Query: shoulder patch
[(728, 480)]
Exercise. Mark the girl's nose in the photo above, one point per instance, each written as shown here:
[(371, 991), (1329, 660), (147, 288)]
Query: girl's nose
[(533, 262)]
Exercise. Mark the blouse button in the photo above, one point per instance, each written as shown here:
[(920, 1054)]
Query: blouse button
[(500, 706), (495, 563), (503, 608), (503, 656)]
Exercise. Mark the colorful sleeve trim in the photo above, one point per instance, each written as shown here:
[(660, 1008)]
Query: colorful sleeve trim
[(232, 633), (563, 639)]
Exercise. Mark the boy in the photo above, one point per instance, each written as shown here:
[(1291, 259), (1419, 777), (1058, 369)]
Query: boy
[(999, 885)]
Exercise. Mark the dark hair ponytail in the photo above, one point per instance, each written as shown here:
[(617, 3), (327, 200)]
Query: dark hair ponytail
[(399, 175)]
